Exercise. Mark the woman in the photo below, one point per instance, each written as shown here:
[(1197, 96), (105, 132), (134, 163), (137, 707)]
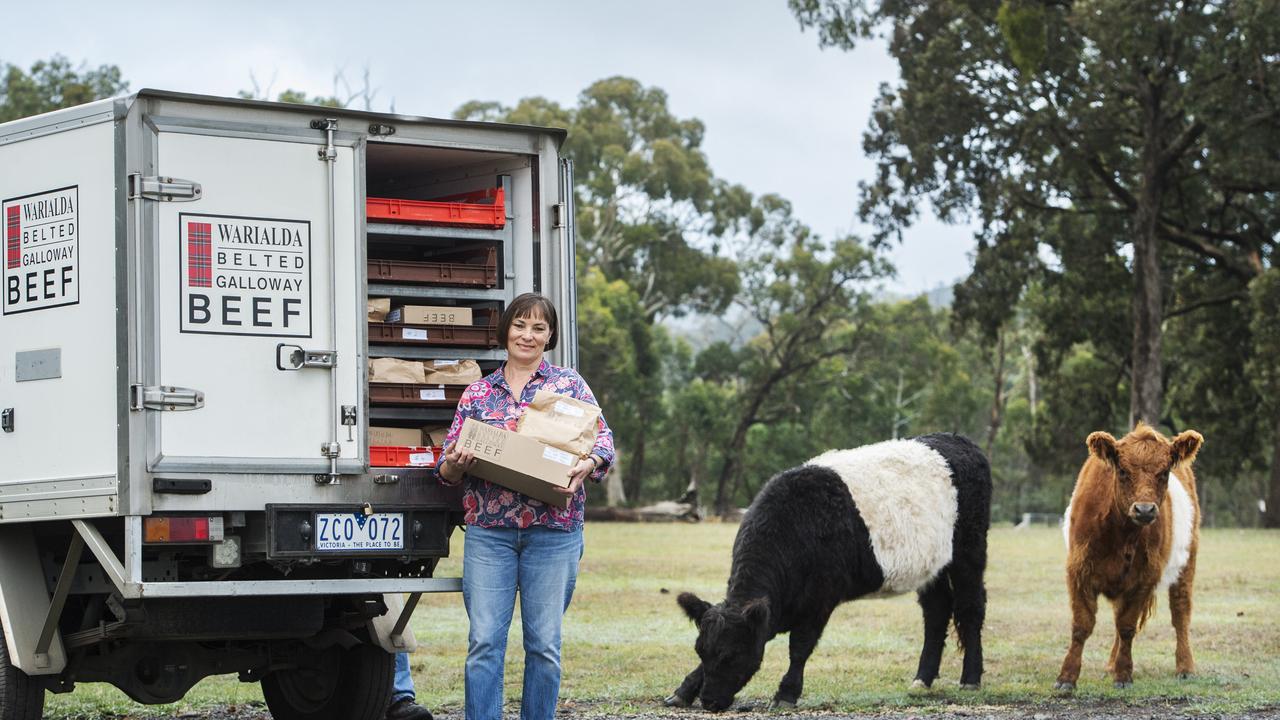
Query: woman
[(514, 542)]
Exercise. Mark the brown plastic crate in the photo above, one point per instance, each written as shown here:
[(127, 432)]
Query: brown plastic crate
[(415, 395), (472, 269), (483, 334)]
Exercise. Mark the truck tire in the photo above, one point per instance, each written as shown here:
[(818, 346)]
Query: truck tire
[(21, 698), (350, 684)]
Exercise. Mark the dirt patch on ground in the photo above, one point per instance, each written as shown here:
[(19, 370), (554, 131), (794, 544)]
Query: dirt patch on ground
[(1041, 711)]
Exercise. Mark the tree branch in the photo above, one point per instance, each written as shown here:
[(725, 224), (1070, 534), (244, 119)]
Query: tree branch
[(1190, 241), (1188, 137), (1192, 307)]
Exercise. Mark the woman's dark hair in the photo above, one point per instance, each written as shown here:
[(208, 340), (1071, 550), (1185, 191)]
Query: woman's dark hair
[(529, 305)]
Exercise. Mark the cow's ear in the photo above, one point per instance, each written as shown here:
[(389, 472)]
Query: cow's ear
[(1185, 446), (693, 606), (757, 612), (1103, 446)]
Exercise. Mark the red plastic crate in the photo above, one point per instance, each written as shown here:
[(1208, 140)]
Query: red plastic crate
[(455, 210), (403, 456)]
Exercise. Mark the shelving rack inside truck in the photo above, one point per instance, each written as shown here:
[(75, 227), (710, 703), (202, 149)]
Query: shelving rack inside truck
[(187, 482)]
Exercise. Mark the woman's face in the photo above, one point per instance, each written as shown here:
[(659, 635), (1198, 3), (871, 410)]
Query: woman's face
[(527, 337)]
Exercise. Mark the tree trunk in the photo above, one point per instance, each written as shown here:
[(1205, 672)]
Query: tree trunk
[(997, 400), (1271, 518), (1032, 391), (733, 451), (1147, 385), (729, 471), (634, 475)]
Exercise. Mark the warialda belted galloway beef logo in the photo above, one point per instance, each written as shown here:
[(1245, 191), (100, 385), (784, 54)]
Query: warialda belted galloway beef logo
[(41, 250), (245, 275)]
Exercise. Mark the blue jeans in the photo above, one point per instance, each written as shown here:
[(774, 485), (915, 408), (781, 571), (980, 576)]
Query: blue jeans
[(402, 688), (540, 563)]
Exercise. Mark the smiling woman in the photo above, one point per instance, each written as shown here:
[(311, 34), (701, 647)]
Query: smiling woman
[(515, 542)]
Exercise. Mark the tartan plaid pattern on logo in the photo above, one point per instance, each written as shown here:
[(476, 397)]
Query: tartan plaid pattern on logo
[(13, 236), (199, 254)]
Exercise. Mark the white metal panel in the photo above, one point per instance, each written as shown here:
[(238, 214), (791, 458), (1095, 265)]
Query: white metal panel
[(253, 410), (65, 426)]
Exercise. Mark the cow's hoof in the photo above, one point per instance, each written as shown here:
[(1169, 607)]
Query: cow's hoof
[(779, 704), (970, 686), (1064, 686), (1185, 675), (674, 700), (1122, 684), (919, 684)]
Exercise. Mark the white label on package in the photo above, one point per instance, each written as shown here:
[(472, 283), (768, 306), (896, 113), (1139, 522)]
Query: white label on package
[(444, 363), (413, 334), (42, 250), (419, 459), (394, 315), (245, 275), (431, 394), (557, 455), (564, 408)]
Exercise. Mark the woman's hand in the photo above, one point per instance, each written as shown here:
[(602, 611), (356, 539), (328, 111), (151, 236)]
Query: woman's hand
[(458, 460), (577, 475)]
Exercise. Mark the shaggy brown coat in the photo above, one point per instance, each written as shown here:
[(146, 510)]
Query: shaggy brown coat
[(1120, 538)]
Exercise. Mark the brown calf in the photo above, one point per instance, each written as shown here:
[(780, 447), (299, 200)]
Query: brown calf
[(1133, 526)]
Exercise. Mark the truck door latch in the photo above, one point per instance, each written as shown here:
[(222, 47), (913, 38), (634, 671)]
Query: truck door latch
[(164, 397), (293, 357)]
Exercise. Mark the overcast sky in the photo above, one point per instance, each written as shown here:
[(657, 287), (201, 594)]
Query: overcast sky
[(781, 115)]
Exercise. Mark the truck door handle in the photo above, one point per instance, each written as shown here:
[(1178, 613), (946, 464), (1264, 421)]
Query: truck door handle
[(293, 357)]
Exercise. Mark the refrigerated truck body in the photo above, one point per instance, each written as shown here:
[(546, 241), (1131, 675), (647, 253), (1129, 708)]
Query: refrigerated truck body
[(184, 387)]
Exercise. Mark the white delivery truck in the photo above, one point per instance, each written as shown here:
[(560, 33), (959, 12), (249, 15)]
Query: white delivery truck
[(187, 486)]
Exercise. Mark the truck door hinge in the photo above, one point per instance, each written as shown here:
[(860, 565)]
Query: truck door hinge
[(558, 216), (164, 397), (164, 189)]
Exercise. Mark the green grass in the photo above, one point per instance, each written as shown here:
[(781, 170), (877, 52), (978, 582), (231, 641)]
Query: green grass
[(627, 644)]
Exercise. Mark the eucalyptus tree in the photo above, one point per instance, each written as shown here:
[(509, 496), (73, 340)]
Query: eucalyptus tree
[(55, 83), (650, 213), (1151, 125)]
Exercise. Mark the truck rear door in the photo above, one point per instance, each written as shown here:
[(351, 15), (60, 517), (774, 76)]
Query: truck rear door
[(255, 277)]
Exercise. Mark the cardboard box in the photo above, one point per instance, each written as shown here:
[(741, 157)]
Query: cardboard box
[(430, 315), (394, 436), (518, 463)]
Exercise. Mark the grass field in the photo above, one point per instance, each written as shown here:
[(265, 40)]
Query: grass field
[(627, 644)]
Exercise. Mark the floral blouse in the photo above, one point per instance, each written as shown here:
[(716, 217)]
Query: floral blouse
[(490, 400)]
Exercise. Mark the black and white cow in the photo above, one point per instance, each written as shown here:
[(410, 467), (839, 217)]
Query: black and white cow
[(884, 519)]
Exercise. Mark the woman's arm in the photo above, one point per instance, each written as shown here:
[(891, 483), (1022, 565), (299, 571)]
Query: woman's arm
[(452, 468)]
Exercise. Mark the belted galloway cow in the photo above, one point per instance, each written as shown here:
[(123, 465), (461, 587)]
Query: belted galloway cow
[(890, 518), (1132, 528)]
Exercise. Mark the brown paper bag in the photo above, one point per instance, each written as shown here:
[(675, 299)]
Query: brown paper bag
[(436, 435), (378, 309), (452, 372), (393, 370), (561, 422)]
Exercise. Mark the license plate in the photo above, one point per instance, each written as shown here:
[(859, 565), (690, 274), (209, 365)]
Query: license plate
[(357, 531)]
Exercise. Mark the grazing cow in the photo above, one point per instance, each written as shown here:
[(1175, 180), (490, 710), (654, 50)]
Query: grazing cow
[(883, 519), (1132, 528)]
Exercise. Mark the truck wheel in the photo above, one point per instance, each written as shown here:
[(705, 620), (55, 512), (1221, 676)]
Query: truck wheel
[(350, 684), (22, 698)]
